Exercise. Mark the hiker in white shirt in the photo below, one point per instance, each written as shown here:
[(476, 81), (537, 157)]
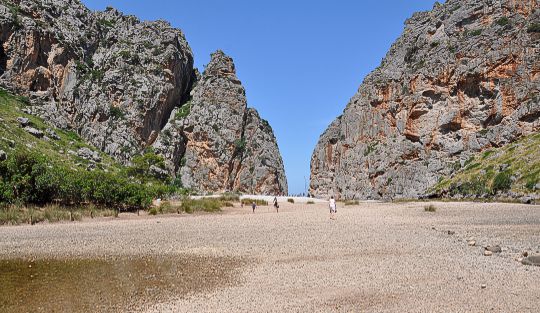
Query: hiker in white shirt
[(333, 208)]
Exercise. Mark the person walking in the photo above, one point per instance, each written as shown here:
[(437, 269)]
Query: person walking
[(333, 209), (253, 206), (276, 205)]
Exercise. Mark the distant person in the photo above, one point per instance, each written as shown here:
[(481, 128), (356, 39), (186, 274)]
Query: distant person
[(276, 205), (333, 208), (253, 206)]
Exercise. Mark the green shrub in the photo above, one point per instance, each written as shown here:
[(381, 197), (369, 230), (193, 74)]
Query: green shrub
[(534, 28), (183, 111), (142, 165), (474, 187), (240, 145), (430, 208), (290, 200), (531, 184), (352, 202), (474, 33), (503, 21), (32, 179), (153, 211), (116, 113), (310, 202), (502, 182)]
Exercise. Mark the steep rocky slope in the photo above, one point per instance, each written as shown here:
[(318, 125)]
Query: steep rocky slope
[(461, 79), (116, 81), (111, 77), (225, 145)]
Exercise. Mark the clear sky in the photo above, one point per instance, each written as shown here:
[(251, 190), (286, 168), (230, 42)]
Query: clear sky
[(299, 60)]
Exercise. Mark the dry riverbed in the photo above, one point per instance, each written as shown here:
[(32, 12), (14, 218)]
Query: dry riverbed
[(376, 257)]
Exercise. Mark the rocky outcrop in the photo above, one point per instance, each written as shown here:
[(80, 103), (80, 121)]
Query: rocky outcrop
[(110, 77), (121, 84), (215, 143), (461, 79)]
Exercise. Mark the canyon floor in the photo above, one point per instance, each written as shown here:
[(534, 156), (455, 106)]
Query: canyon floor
[(375, 257)]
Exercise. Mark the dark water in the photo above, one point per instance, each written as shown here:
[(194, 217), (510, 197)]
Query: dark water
[(93, 285)]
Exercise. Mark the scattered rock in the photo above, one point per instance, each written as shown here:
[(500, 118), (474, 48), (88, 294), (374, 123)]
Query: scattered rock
[(10, 142), (451, 232), (23, 121), (488, 253), (52, 134), (525, 254), (494, 249), (483, 286), (88, 154), (537, 187), (503, 167), (531, 260), (526, 200), (34, 132), (158, 172), (3, 155), (471, 243)]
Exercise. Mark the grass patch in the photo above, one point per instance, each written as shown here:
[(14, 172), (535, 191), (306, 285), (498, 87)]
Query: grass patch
[(290, 200), (18, 215), (201, 205), (352, 202), (310, 202), (430, 208), (248, 201)]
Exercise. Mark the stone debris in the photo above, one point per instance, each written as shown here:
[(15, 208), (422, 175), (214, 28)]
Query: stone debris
[(488, 253), (52, 134), (88, 154), (494, 249), (34, 132), (531, 260), (3, 155), (23, 121)]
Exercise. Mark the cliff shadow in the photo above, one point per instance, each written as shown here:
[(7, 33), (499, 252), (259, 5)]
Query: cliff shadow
[(3, 59)]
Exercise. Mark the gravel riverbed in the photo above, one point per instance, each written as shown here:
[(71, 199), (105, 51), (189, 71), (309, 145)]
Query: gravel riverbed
[(375, 257)]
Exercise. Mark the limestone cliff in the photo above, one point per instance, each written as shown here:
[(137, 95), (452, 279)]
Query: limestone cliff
[(116, 81), (225, 145), (461, 79)]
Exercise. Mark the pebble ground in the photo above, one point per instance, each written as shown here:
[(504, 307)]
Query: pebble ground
[(375, 257)]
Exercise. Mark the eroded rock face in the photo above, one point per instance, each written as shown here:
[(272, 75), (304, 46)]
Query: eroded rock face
[(215, 143), (460, 79), (126, 85), (110, 77)]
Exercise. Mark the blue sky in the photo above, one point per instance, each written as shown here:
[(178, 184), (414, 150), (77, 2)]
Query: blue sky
[(300, 61)]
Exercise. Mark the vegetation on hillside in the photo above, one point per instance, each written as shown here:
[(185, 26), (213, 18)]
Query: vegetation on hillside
[(47, 170), (497, 172)]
